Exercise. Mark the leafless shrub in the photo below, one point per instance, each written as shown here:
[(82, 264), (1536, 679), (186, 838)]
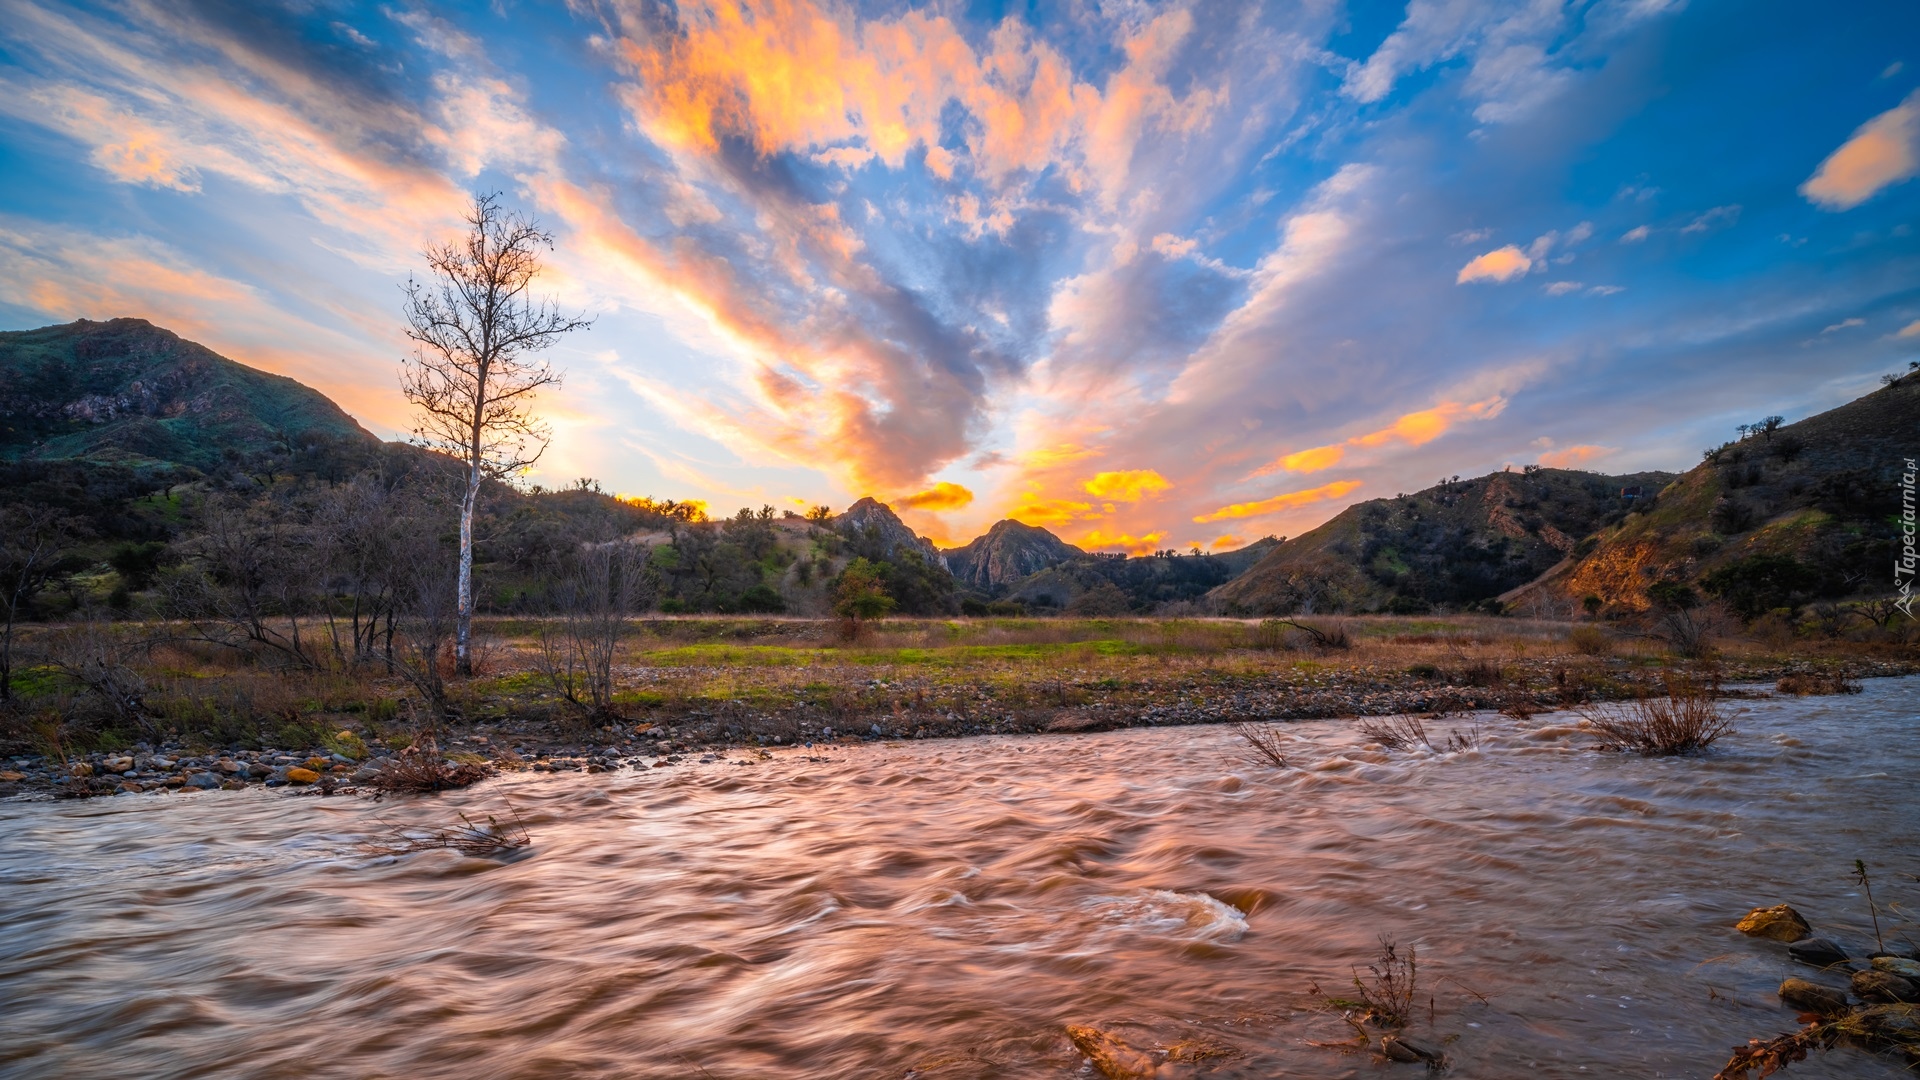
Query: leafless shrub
[(1264, 745), (576, 654), (481, 840), (1410, 732), (94, 656), (1331, 635), (1397, 732), (420, 769), (1519, 704), (1686, 720), (1387, 990), (1802, 684)]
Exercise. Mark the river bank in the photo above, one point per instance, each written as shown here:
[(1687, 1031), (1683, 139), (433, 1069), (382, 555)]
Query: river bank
[(902, 703)]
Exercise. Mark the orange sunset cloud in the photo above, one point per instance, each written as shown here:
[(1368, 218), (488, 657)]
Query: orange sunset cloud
[(1290, 501)]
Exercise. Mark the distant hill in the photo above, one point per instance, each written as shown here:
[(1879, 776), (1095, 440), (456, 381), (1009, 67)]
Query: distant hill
[(1008, 552), (1805, 512), (1457, 544), (878, 533), (131, 393)]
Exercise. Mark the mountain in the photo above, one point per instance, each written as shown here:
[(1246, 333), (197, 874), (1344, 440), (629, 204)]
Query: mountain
[(1457, 544), (1803, 512), (128, 392), (1008, 552), (877, 533)]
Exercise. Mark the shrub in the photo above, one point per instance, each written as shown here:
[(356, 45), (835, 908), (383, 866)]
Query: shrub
[(1686, 720), (1759, 583), (1590, 641), (1264, 746)]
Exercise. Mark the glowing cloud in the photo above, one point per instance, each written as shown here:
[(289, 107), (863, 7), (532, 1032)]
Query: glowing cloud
[(1292, 500), (1225, 542), (1570, 457), (1500, 264), (1034, 510), (1912, 329), (941, 496), (1129, 486), (1420, 428), (1314, 460), (1884, 151), (1132, 545)]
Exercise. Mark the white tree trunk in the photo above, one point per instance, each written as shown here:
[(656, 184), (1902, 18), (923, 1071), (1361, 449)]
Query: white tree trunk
[(463, 632)]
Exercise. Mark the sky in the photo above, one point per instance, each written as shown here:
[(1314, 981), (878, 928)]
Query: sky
[(1148, 275)]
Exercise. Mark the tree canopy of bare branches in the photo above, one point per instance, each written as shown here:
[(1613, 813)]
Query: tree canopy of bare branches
[(475, 370)]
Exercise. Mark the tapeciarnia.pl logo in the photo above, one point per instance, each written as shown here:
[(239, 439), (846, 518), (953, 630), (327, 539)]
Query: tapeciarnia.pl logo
[(1903, 567)]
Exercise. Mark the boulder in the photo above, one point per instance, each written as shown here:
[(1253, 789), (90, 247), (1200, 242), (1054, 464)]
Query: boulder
[(1779, 923), (1813, 998), (1401, 1048), (1898, 965), (1817, 951), (297, 775), (205, 781), (1883, 988), (1111, 1057)]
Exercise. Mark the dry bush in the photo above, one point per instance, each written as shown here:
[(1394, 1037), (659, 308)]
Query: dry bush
[(1264, 745), (1408, 733), (1519, 704), (468, 838), (1590, 641), (1803, 684), (1686, 720), (420, 769), (1332, 635), (1387, 991)]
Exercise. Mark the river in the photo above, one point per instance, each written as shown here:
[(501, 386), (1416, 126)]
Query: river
[(942, 909)]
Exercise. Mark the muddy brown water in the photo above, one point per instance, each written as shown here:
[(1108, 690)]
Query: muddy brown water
[(943, 909)]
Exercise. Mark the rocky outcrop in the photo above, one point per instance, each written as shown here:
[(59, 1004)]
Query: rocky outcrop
[(1007, 553), (875, 531)]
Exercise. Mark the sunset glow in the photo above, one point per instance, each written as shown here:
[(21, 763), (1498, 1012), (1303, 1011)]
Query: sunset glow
[(1111, 271)]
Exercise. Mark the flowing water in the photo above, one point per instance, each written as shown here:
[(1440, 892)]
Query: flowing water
[(943, 909)]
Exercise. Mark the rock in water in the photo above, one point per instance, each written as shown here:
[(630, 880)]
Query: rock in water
[(1901, 1023), (1883, 988), (1895, 965), (1817, 951), (1780, 923), (1401, 1048), (297, 775), (1813, 998), (1114, 1059)]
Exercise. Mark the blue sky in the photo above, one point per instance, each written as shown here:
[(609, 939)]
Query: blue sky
[(1149, 275)]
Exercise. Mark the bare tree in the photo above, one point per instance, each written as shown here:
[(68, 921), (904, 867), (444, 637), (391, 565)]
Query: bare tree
[(474, 371), (33, 549), (608, 583)]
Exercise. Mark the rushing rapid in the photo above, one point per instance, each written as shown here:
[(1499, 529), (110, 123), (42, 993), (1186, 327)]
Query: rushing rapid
[(944, 909)]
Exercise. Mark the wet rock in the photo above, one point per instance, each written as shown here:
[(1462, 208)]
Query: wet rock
[(1813, 998), (1898, 965), (299, 775), (1779, 923), (11, 777), (204, 781), (1817, 951), (1111, 1057), (1401, 1048), (229, 766), (1900, 1023), (1883, 988)]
